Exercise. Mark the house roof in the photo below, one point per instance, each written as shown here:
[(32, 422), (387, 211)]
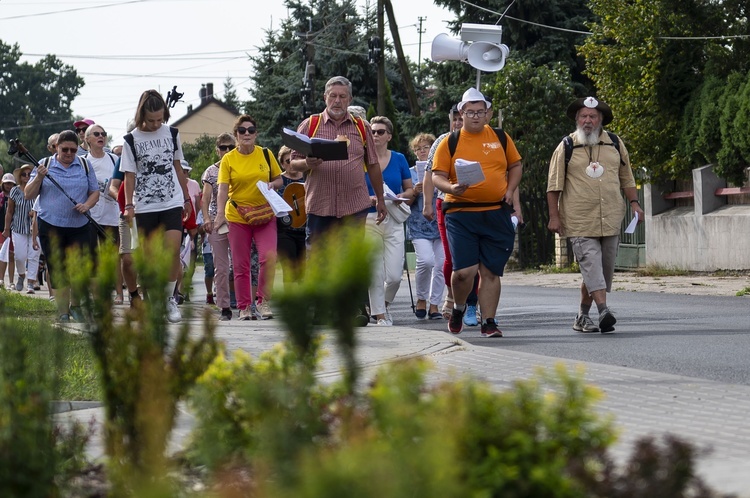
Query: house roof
[(207, 101)]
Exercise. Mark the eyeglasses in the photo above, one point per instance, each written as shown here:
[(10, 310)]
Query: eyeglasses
[(475, 114), (423, 147), (67, 150), (241, 130), (79, 130), (381, 131), (225, 148), (99, 134)]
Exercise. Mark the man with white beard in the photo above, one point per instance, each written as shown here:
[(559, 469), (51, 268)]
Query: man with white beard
[(586, 204)]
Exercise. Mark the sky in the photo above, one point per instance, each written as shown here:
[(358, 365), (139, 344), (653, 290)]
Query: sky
[(123, 47)]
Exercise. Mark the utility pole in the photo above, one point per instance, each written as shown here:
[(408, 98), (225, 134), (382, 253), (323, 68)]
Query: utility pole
[(419, 52), (381, 61), (403, 66)]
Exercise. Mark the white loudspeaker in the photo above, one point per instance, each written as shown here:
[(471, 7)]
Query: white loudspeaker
[(445, 48), (486, 56)]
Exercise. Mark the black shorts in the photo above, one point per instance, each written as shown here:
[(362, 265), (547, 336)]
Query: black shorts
[(480, 236), (149, 223)]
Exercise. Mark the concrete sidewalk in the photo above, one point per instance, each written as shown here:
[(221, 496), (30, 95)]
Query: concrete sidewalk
[(706, 413)]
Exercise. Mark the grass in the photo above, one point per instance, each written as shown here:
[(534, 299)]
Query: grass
[(77, 372), (744, 292), (571, 268)]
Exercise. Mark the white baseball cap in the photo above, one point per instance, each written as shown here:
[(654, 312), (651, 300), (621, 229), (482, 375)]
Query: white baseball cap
[(473, 95)]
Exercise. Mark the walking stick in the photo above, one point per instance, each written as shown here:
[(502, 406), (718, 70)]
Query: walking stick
[(16, 147), (406, 267)]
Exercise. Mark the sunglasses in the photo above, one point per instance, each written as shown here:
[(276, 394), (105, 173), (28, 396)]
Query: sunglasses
[(67, 150), (99, 134), (25, 173), (79, 130), (225, 148), (379, 132), (241, 130)]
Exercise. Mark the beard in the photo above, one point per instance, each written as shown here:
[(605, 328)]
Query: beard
[(590, 138)]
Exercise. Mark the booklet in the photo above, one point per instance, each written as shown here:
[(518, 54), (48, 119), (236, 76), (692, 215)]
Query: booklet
[(277, 203), (327, 150), (421, 165), (468, 172)]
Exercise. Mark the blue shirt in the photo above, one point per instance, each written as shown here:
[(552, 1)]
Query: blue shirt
[(393, 175), (54, 206)]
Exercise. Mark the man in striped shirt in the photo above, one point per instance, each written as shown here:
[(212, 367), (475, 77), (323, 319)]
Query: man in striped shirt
[(336, 192)]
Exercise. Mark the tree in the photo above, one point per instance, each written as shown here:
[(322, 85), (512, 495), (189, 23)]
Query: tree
[(230, 94), (35, 99)]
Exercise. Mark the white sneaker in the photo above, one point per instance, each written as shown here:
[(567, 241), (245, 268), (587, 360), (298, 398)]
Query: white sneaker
[(264, 309), (247, 313), (30, 289), (382, 322), (388, 316), (173, 312)]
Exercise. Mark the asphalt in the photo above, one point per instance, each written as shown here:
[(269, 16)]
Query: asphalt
[(712, 415)]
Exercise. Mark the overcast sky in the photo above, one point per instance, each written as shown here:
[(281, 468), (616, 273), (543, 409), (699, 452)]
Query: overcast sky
[(123, 47)]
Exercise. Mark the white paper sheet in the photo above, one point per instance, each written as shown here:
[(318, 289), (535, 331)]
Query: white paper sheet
[(468, 172), (421, 165), (388, 194), (633, 223), (278, 204)]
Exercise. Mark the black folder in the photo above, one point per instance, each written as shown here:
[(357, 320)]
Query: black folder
[(327, 150)]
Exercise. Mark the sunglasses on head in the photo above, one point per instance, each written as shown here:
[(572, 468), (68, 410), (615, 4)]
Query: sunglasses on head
[(225, 148), (380, 132), (241, 130), (67, 150), (99, 134)]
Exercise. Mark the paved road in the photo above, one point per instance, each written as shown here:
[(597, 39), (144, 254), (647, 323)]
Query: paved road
[(697, 336)]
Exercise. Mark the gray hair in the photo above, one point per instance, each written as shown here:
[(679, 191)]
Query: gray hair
[(357, 111), (338, 80)]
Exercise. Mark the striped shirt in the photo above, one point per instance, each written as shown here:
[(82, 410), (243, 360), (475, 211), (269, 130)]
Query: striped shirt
[(54, 206), (338, 188), (21, 222)]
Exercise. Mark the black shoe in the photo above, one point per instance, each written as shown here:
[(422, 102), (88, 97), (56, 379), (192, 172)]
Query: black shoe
[(226, 314), (607, 321), (421, 314), (456, 322), (489, 329)]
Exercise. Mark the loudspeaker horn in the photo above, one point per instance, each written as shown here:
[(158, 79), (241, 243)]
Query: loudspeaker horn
[(445, 48), (487, 56)]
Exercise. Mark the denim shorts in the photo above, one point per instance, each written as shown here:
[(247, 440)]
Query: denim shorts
[(485, 237)]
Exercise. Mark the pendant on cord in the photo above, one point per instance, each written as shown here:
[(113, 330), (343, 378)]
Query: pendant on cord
[(595, 170)]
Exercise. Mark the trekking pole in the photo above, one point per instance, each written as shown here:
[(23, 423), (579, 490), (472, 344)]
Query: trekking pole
[(406, 267), (16, 147)]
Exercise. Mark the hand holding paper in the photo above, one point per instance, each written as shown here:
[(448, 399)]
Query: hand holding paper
[(468, 172), (633, 223), (277, 203)]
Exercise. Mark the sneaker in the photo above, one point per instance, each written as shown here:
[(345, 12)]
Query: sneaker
[(19, 283), (388, 316), (382, 322), (607, 321), (179, 298), (470, 317), (489, 329), (584, 323), (76, 314), (247, 313), (264, 308), (64, 318), (210, 299), (226, 315), (456, 322), (37, 287), (30, 289), (173, 312)]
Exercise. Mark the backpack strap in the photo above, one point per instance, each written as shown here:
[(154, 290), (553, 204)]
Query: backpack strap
[(568, 145), (312, 127), (268, 161), (456, 134), (174, 132), (131, 142)]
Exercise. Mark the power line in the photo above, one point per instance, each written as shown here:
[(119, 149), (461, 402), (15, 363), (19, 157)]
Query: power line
[(77, 9)]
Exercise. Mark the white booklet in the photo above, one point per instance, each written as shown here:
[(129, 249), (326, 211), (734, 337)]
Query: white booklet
[(278, 204), (421, 165), (468, 172), (633, 224)]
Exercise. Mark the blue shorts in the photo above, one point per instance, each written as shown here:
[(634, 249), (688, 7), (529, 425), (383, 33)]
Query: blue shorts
[(485, 237)]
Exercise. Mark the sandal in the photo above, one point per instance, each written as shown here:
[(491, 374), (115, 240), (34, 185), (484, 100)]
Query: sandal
[(118, 300), (447, 308)]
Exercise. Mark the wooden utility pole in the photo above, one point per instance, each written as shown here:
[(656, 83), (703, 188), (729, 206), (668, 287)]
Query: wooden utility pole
[(381, 61), (403, 66)]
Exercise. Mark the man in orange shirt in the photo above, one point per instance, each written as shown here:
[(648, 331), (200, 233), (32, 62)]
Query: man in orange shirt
[(478, 217)]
